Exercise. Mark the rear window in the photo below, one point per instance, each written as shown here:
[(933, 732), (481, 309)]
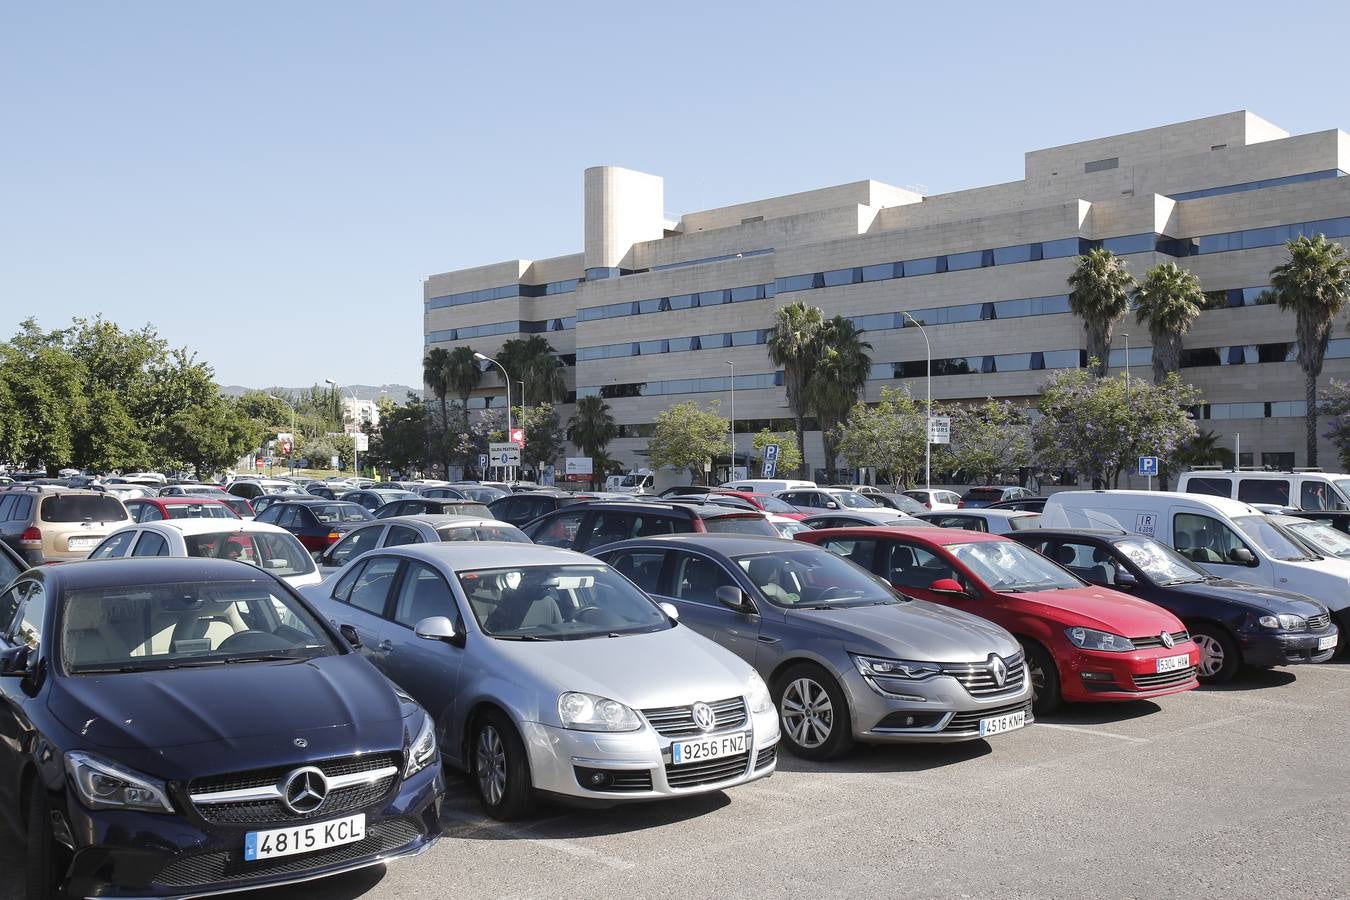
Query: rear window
[(1215, 487), (280, 554), (200, 511), (501, 532), (82, 508), (1018, 523), (984, 493), (470, 509), (1264, 490), (740, 525)]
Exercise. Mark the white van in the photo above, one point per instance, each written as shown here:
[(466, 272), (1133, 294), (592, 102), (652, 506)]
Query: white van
[(767, 485), (1302, 490), (1224, 537)]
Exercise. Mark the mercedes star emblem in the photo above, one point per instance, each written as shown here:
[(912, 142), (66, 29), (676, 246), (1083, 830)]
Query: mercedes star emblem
[(301, 743), (999, 668), (704, 717), (304, 790), (1167, 640)]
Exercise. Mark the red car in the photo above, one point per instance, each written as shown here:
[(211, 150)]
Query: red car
[(199, 506), (1083, 643), (762, 502)]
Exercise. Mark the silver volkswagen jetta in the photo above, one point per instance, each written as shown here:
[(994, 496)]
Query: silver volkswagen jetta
[(547, 671)]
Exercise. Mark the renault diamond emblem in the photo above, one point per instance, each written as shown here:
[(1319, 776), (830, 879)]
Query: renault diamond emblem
[(304, 790), (301, 743), (704, 717), (1167, 640), (999, 668)]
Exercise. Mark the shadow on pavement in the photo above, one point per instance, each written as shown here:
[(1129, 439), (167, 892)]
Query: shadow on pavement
[(1254, 680), (1100, 713), (888, 758), (337, 887)]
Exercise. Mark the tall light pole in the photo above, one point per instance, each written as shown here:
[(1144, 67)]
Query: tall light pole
[(356, 425), (731, 473), (928, 425), (505, 375)]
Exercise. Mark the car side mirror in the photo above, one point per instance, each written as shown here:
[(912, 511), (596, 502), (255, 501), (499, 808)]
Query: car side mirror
[(437, 628), (830, 504), (733, 598), (1125, 580), (14, 661), (671, 610), (1242, 555), (351, 635), (948, 586)]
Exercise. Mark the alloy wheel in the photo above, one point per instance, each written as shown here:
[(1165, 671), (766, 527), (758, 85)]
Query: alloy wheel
[(807, 714), (1211, 654), (491, 765)]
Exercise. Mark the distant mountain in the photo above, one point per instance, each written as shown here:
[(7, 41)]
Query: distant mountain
[(396, 392)]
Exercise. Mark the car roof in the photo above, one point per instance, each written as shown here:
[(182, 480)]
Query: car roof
[(705, 510), (442, 520), (1105, 534), (212, 526), (460, 555), (928, 535), (308, 501), (728, 544), (1225, 505), (95, 573), (980, 511)]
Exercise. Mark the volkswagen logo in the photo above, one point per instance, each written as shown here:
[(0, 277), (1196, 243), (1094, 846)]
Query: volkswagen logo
[(704, 717), (999, 668), (1167, 640), (301, 743), (304, 790)]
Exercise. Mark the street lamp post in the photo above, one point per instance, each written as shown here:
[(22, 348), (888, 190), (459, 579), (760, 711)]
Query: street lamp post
[(505, 375), (928, 415), (356, 425), (731, 471)]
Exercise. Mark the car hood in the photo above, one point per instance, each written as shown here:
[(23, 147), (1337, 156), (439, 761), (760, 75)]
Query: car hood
[(915, 629), (333, 699), (1099, 608), (675, 667), (1254, 595)]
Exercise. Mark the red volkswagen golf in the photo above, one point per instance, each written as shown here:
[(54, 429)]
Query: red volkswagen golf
[(1083, 643)]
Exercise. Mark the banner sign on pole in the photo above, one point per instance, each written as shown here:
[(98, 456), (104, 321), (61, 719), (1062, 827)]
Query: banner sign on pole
[(940, 430)]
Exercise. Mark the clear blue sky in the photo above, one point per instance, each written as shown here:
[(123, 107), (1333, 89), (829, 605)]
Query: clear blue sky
[(269, 183)]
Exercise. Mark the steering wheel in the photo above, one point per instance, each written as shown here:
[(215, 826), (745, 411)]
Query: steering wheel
[(253, 640), (830, 592), (579, 616)]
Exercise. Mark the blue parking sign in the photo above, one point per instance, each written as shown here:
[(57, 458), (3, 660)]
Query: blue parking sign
[(1148, 467), (770, 460)]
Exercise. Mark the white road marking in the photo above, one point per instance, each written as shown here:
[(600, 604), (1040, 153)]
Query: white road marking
[(571, 848), (1094, 731)]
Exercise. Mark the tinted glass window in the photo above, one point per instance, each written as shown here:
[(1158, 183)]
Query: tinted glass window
[(200, 511), (1204, 539), (353, 545), (270, 515), (28, 629), (739, 525), (697, 579), (287, 517), (559, 531), (609, 527), (151, 544), (422, 594), (400, 535), (82, 508), (9, 606), (281, 554), (6, 507), (114, 547), (371, 587), (502, 532), (906, 566), (642, 567), (1264, 490), (1319, 495), (859, 550), (794, 577), (1093, 564), (1215, 487)]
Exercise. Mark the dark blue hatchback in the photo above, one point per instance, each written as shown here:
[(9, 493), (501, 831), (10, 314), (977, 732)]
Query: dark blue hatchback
[(182, 727)]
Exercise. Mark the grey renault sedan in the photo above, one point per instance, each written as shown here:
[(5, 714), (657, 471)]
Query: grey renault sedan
[(846, 657), (548, 672)]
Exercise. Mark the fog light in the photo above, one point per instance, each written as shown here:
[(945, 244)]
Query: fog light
[(600, 779), (1097, 676)]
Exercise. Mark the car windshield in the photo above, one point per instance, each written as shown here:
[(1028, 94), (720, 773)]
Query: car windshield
[(813, 579), (774, 505), (1266, 535), (1018, 523), (340, 512), (788, 527), (1343, 485), (1010, 568), (502, 532), (559, 603), (199, 511), (482, 494), (851, 500), (132, 628), (280, 554), (1160, 563), (752, 524), (1322, 537)]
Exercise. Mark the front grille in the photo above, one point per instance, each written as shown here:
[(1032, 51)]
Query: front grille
[(678, 721), (616, 781), (970, 720), (1165, 679), (1318, 622), (766, 757), (710, 772), (261, 812), (209, 869), (1155, 640), (346, 765), (978, 678)]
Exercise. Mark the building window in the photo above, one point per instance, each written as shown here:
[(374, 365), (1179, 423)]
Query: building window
[(1101, 165)]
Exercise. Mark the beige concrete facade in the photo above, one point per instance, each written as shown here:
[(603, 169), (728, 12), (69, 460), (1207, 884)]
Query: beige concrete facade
[(1135, 193)]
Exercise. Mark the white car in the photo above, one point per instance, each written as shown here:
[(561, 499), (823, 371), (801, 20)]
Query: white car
[(936, 499), (256, 543), (988, 521)]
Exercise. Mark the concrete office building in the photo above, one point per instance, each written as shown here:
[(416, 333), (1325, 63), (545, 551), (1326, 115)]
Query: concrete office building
[(652, 310)]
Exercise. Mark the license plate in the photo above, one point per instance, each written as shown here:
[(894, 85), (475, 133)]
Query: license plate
[(1000, 724), (1172, 663), (1326, 643), (682, 752), (81, 543), (304, 838)]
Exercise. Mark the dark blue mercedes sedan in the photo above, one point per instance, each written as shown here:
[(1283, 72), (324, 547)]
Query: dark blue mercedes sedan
[(183, 727)]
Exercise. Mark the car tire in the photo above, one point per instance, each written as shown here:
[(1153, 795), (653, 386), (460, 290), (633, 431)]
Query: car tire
[(43, 862), (1219, 654), (1044, 675), (815, 700), (501, 769)]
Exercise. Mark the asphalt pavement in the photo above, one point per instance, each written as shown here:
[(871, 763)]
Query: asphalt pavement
[(1242, 791)]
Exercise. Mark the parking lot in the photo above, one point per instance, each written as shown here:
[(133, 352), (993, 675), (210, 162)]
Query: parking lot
[(1237, 792)]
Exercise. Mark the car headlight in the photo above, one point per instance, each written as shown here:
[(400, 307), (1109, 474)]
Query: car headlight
[(422, 750), (1092, 639), (587, 712), (877, 667), (757, 694), (1285, 621), (102, 784)]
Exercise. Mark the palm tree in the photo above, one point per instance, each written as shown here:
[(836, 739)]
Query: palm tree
[(1100, 296), (534, 361), (839, 376), (1168, 301), (794, 344), (1314, 285), (591, 428), (436, 376), (463, 374), (1202, 450)]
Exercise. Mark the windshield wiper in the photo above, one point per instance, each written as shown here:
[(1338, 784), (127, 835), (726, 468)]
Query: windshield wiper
[(268, 657)]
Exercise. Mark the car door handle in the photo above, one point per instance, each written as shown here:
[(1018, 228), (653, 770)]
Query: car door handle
[(385, 645), (763, 639)]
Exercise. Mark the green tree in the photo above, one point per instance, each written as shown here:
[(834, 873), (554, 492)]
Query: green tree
[(1100, 295), (209, 437), (1313, 284), (839, 375), (533, 361), (1202, 450), (436, 376), (789, 460), (686, 437), (1168, 301), (45, 385), (888, 437), (990, 440), (267, 409), (590, 429), (543, 436), (463, 374), (1099, 426), (402, 434), (794, 344)]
